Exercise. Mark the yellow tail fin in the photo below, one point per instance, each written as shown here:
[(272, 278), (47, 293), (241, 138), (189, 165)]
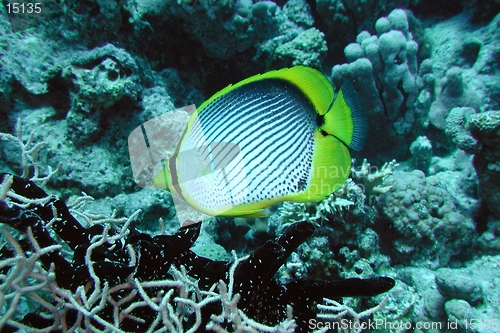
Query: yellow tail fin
[(346, 118)]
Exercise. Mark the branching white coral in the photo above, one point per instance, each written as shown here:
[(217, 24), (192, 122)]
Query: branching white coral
[(27, 280), (343, 199), (29, 155), (24, 279), (372, 178), (366, 181), (239, 321), (333, 311)]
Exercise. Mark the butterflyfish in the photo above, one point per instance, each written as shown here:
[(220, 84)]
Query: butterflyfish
[(278, 136)]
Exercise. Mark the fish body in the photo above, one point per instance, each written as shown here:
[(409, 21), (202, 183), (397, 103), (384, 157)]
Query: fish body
[(278, 136)]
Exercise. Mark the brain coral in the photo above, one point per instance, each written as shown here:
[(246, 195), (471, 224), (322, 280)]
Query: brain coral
[(427, 227)]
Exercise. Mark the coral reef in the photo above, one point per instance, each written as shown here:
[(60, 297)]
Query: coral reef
[(479, 134), (308, 49), (464, 59), (485, 127), (32, 50), (457, 123), (297, 41), (97, 80), (345, 243), (384, 69), (453, 93), (389, 58), (341, 20), (345, 202), (462, 296), (421, 153), (236, 25), (371, 177), (119, 260), (458, 73), (85, 74), (423, 217)]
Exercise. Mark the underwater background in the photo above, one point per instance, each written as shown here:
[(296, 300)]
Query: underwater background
[(421, 205)]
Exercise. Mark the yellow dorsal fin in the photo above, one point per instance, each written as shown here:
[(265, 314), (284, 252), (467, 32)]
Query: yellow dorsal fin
[(346, 118)]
